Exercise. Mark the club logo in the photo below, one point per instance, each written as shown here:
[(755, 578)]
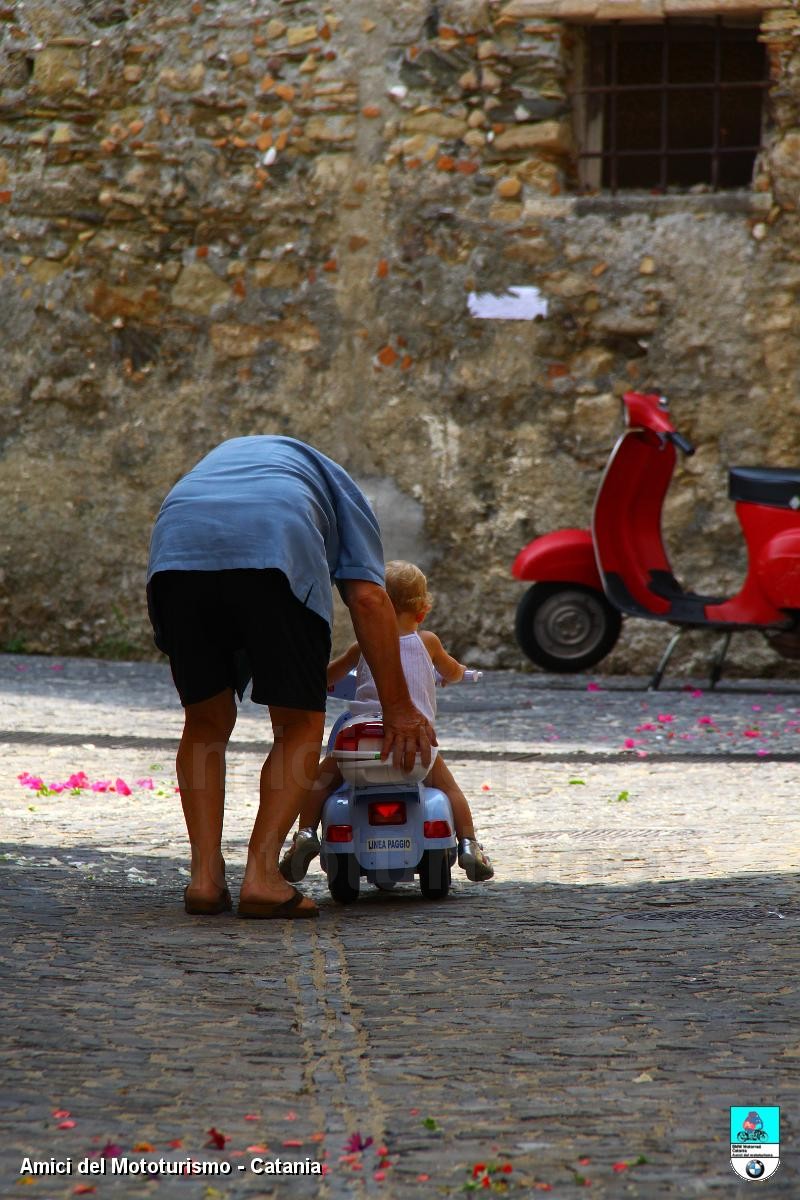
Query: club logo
[(755, 1141)]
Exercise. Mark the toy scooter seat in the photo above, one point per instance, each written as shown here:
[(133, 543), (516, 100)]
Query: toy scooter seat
[(777, 487), (357, 750)]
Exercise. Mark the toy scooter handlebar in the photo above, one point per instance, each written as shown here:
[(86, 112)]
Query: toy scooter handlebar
[(682, 443), (345, 689), (469, 676)]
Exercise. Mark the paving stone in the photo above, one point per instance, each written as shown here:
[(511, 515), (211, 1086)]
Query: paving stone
[(629, 974)]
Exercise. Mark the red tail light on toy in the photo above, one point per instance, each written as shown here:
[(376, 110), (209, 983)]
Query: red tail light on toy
[(351, 736), (386, 812), (339, 833), (437, 829)]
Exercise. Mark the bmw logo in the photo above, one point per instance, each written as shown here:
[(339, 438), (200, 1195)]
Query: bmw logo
[(755, 1168)]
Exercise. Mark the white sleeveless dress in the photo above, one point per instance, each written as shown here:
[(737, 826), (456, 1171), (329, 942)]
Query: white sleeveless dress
[(420, 677)]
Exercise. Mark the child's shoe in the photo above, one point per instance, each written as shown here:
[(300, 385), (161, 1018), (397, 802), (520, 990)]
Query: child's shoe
[(473, 861), (298, 858)]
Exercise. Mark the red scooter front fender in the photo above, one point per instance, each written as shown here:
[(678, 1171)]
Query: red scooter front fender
[(564, 556)]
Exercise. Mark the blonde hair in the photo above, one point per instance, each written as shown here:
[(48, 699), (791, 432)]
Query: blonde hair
[(407, 587)]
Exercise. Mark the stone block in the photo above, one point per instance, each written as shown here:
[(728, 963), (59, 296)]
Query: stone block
[(294, 333), (110, 304), (299, 35), (469, 16), (190, 80), (785, 164), (544, 135), (235, 341), (520, 10), (509, 187), (56, 69), (686, 8), (282, 274), (539, 174), (534, 252), (331, 172), (199, 290), (437, 124), (331, 129)]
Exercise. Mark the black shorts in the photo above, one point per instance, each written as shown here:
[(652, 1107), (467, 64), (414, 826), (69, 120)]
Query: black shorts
[(221, 628)]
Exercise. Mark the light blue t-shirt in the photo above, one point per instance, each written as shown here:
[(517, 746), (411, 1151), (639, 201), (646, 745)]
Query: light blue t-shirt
[(270, 502)]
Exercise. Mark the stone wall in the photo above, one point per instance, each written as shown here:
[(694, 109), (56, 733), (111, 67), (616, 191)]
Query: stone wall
[(259, 216)]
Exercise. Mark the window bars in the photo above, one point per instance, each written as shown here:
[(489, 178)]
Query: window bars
[(670, 105)]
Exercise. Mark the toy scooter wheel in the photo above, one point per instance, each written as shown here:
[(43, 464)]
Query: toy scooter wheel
[(566, 626), (434, 874), (344, 877)]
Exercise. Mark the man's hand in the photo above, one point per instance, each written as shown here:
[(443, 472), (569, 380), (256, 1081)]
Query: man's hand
[(405, 732)]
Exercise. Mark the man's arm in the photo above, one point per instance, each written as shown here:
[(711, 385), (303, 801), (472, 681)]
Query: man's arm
[(406, 730)]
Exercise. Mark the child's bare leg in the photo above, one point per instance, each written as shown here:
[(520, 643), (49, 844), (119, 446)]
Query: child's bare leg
[(471, 856), (305, 844), (329, 778), (441, 777)]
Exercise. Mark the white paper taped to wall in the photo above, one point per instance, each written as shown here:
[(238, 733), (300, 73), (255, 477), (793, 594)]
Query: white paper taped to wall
[(516, 304)]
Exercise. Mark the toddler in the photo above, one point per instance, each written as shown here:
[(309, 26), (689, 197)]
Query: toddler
[(421, 654)]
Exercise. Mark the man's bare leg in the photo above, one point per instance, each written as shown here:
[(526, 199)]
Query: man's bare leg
[(287, 777), (200, 764)]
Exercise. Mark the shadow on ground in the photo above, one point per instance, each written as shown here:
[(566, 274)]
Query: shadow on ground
[(539, 1024)]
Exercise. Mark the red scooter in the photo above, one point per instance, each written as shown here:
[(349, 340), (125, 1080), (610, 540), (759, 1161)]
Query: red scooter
[(586, 580)]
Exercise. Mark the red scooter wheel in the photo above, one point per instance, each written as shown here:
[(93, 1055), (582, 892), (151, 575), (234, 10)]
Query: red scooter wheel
[(566, 626)]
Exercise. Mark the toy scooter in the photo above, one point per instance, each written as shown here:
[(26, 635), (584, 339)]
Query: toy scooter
[(382, 823), (586, 580)]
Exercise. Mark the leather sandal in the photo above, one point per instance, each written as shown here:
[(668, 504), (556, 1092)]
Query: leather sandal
[(207, 908), (296, 907)]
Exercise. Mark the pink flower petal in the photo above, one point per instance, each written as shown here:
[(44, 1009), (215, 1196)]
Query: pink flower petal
[(121, 787)]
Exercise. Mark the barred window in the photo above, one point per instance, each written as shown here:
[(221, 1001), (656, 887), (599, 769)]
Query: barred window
[(670, 105)]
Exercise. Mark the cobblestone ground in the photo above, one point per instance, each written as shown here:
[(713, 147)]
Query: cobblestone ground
[(629, 974)]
